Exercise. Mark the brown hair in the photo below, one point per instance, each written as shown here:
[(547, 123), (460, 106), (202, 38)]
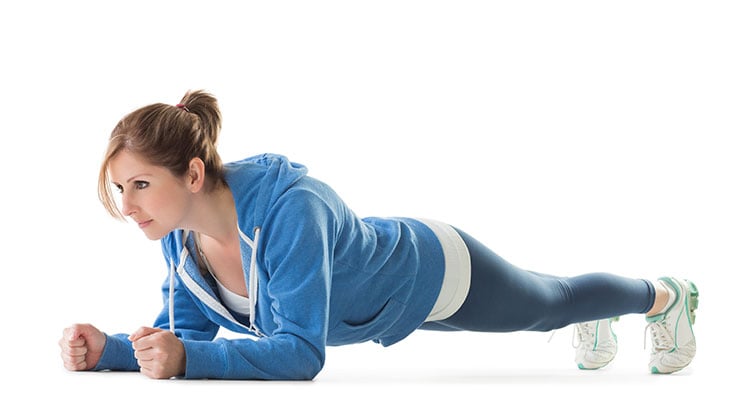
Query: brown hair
[(169, 136)]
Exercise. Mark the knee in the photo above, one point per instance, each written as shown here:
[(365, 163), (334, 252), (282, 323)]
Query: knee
[(551, 309)]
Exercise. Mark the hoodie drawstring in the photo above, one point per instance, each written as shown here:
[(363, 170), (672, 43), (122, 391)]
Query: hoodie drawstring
[(172, 296), (183, 257), (253, 280)]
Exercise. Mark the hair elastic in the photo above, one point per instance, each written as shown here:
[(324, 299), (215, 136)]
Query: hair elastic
[(182, 106)]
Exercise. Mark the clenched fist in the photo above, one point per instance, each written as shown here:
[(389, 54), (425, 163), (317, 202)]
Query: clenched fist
[(160, 353), (82, 345)]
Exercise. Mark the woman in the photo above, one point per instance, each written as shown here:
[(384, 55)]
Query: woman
[(259, 247)]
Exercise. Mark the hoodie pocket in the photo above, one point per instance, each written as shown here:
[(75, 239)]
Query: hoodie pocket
[(346, 332)]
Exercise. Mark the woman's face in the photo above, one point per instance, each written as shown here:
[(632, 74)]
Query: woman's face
[(151, 195)]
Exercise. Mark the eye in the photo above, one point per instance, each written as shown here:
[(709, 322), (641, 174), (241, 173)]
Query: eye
[(140, 185), (119, 188)]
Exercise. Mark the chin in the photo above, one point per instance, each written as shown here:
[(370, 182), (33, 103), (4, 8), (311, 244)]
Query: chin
[(155, 235)]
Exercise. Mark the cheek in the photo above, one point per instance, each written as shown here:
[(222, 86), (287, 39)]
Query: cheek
[(170, 204)]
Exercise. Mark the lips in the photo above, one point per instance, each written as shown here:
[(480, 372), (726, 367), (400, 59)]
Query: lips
[(144, 224)]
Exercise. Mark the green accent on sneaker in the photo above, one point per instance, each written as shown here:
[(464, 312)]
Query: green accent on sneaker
[(692, 304), (693, 301), (614, 335), (655, 370), (582, 367), (655, 318)]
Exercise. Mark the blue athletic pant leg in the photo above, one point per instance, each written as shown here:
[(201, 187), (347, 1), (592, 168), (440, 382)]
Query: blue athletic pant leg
[(505, 298)]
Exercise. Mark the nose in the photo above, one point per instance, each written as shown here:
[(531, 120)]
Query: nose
[(127, 206)]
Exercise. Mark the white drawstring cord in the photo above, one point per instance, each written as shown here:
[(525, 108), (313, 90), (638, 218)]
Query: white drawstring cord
[(172, 296), (253, 283), (183, 257)]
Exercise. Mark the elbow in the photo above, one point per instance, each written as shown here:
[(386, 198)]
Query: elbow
[(310, 364), (314, 371), (311, 367)]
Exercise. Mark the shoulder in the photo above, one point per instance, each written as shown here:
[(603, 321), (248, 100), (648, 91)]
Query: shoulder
[(304, 199)]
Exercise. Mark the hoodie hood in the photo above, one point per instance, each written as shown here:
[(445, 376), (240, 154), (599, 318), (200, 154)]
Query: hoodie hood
[(265, 178)]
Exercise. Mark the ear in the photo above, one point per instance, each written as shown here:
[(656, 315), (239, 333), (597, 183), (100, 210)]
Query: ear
[(196, 175)]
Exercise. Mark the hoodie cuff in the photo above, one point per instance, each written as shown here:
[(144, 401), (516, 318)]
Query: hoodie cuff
[(118, 354), (204, 359)]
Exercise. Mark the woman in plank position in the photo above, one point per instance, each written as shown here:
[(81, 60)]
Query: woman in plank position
[(261, 248)]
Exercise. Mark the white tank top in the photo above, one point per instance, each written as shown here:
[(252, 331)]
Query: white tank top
[(230, 299)]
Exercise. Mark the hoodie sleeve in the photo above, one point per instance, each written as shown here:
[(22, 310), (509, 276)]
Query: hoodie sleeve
[(118, 352), (295, 255)]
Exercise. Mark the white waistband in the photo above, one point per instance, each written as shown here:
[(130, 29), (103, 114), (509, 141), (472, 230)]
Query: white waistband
[(456, 281)]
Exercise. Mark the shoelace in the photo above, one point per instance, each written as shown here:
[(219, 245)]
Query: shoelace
[(583, 333), (660, 335)]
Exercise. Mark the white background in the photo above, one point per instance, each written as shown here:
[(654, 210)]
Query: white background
[(570, 136)]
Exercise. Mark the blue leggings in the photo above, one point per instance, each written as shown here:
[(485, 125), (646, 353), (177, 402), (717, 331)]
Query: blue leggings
[(505, 298)]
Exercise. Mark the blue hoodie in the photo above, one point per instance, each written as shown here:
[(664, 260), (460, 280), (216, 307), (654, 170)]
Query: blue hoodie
[(319, 276)]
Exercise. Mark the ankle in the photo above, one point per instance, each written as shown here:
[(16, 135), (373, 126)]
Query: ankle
[(664, 297)]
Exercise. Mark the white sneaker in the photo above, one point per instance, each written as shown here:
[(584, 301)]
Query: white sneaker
[(674, 344), (596, 344)]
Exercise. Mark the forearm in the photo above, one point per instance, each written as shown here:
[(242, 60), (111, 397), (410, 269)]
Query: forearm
[(286, 357)]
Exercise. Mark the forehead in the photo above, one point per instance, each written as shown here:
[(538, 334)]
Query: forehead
[(125, 165)]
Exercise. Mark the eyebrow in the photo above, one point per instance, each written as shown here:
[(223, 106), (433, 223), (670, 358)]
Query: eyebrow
[(138, 175)]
